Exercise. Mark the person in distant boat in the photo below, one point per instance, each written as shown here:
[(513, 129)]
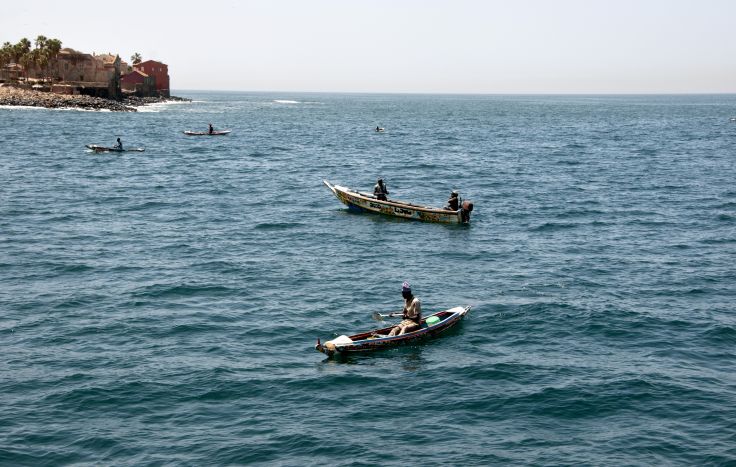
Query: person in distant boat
[(119, 145), (453, 204), (380, 191), (212, 129), (412, 313), (378, 128)]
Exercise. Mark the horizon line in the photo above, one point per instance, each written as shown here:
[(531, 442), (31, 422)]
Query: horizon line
[(604, 93)]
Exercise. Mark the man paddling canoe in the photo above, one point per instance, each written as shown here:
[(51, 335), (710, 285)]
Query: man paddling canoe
[(412, 313)]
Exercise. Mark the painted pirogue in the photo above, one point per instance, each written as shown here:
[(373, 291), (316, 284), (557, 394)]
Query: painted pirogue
[(377, 339), (98, 148), (361, 201)]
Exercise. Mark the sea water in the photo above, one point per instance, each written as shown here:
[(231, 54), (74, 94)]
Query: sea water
[(162, 307)]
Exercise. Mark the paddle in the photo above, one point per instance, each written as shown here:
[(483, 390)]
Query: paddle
[(379, 317)]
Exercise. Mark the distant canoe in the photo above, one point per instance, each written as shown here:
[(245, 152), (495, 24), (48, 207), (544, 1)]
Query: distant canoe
[(207, 133), (361, 201), (432, 326), (98, 148)]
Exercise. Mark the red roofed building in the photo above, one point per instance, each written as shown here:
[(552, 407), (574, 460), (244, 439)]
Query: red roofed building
[(159, 71), (139, 83)]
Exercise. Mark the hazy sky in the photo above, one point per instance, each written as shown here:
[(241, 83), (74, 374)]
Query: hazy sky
[(458, 46)]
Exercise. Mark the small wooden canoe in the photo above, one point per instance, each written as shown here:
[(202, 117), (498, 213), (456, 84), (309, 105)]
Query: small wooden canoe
[(361, 201), (207, 133), (378, 339), (98, 148)]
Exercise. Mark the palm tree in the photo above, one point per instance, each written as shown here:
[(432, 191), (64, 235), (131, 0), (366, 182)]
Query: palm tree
[(22, 54), (26, 60), (53, 46), (136, 58), (21, 48), (41, 42), (47, 54), (6, 54)]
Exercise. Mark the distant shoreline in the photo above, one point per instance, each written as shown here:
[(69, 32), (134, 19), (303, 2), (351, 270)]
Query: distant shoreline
[(14, 96)]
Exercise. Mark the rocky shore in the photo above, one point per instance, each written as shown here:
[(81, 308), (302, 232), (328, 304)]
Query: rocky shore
[(23, 97)]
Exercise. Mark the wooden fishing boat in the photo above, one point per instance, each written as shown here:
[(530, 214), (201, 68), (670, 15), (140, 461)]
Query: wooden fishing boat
[(98, 148), (432, 326), (207, 133), (362, 201)]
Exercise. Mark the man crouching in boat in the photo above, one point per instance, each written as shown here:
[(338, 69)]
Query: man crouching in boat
[(412, 317)]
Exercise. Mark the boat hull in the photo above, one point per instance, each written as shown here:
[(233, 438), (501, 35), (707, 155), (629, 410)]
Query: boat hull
[(97, 148), (377, 339), (207, 133), (358, 201)]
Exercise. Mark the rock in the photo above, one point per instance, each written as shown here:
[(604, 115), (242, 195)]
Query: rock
[(15, 96)]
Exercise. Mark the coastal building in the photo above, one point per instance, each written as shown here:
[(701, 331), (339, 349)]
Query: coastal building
[(81, 73), (160, 73), (11, 72), (100, 75), (138, 83)]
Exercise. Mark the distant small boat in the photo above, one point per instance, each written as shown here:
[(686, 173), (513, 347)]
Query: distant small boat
[(378, 339), (361, 201), (98, 148), (733, 119), (207, 133), (380, 129)]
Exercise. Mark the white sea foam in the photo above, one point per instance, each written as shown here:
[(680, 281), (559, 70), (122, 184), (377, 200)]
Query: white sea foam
[(36, 107), (159, 106), (21, 107)]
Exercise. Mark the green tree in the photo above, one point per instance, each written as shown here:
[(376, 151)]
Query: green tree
[(6, 54), (136, 58), (40, 57), (26, 60), (53, 46), (46, 52), (21, 48), (41, 42)]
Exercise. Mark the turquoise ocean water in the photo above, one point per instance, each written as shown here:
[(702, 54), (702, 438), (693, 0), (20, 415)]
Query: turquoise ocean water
[(161, 308)]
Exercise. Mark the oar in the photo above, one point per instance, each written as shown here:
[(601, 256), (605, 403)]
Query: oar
[(379, 317)]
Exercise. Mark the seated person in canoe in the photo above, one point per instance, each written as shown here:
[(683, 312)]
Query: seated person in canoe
[(412, 313), (453, 204)]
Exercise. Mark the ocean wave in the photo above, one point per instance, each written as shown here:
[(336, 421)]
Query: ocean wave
[(277, 225), (554, 226), (183, 290)]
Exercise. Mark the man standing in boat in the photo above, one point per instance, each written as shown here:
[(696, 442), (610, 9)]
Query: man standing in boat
[(119, 145), (380, 191), (412, 313), (211, 129)]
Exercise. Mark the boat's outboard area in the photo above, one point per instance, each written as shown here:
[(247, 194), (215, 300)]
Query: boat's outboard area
[(465, 210)]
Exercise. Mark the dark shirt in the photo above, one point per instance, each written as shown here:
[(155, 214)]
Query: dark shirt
[(380, 191)]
